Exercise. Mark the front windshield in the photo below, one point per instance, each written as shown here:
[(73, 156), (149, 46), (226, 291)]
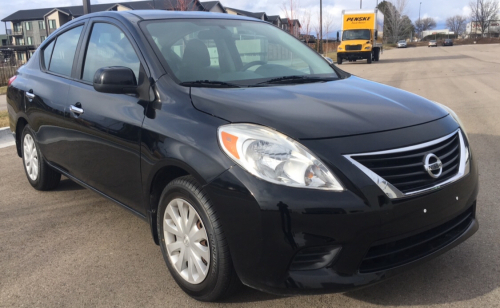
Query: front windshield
[(350, 35), (402, 41), (232, 51)]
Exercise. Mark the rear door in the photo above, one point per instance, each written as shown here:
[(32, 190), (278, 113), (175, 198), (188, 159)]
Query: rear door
[(106, 152), (47, 86)]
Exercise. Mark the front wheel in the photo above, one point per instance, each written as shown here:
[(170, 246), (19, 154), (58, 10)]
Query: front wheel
[(40, 175), (192, 242), (339, 60), (369, 59)]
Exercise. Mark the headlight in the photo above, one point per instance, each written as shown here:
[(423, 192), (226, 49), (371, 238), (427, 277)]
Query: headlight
[(275, 157), (340, 48), (368, 47)]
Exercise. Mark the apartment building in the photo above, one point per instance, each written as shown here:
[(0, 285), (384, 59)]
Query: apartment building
[(27, 29)]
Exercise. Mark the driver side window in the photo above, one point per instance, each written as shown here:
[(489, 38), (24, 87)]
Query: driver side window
[(108, 46)]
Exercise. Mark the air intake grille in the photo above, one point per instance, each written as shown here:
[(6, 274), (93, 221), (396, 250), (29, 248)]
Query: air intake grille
[(386, 256), (353, 47), (405, 170)]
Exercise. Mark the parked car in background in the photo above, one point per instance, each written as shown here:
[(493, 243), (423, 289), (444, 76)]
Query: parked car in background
[(448, 42), (433, 43), (250, 156), (402, 44)]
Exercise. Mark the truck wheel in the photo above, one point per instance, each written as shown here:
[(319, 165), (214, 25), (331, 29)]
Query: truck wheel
[(376, 56), (339, 60), (369, 60)]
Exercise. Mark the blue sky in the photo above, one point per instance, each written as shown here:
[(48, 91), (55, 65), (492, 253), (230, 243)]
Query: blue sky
[(438, 9)]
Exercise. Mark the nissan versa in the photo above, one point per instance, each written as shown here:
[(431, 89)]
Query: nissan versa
[(251, 157)]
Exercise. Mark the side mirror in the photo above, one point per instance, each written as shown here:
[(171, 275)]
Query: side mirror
[(338, 36), (376, 34), (115, 79), (328, 59)]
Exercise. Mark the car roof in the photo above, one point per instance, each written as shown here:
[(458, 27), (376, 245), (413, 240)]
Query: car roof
[(163, 14)]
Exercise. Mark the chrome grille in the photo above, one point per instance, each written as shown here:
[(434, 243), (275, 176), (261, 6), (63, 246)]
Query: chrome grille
[(353, 47), (401, 172), (406, 170)]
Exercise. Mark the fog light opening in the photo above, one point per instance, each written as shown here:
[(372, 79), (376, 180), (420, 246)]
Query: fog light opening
[(314, 258)]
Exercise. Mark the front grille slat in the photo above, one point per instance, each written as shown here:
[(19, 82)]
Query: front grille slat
[(405, 170), (353, 47), (396, 253)]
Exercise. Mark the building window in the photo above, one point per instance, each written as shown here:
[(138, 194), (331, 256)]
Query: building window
[(42, 38), (52, 23), (41, 25), (19, 41), (28, 26), (17, 27), (29, 40), (20, 56)]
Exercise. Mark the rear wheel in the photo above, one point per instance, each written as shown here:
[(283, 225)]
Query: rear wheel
[(192, 242), (40, 175)]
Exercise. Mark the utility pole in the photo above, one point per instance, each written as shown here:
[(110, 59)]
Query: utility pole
[(321, 26), (419, 24), (360, 4)]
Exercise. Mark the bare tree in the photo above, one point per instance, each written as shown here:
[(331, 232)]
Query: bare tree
[(305, 21), (317, 31), (327, 26), (425, 24), (456, 24), (289, 7), (483, 11), (180, 5)]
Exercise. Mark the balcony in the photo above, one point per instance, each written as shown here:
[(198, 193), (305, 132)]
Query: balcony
[(17, 32)]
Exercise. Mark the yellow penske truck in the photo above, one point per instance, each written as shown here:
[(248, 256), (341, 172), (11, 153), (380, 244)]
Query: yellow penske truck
[(361, 35)]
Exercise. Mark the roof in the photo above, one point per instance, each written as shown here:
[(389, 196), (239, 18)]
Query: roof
[(208, 5), (273, 17), (258, 15), (295, 21), (77, 10)]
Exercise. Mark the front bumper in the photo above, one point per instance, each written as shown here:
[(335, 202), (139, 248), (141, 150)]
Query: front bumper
[(354, 55), (266, 225)]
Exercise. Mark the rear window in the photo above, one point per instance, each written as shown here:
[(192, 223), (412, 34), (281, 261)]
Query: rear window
[(63, 54)]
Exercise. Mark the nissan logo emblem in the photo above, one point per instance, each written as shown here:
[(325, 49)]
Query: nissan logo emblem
[(433, 165)]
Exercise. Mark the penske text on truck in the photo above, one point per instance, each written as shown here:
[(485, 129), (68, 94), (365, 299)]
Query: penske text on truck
[(361, 35)]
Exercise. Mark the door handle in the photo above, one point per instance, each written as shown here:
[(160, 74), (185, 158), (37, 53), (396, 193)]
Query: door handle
[(76, 110), (29, 95)]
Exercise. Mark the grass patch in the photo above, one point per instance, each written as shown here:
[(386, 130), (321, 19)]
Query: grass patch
[(332, 55), (4, 119), (3, 90)]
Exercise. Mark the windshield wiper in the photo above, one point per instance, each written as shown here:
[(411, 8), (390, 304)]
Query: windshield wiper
[(297, 79), (209, 84)]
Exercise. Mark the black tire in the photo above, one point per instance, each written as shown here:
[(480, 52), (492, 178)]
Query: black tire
[(376, 56), (221, 280), (339, 60), (47, 178), (369, 59)]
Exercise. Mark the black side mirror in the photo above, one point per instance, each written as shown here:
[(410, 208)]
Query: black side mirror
[(115, 79), (338, 36), (376, 34)]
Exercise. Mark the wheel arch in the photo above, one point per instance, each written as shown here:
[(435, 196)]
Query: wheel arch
[(165, 173), (21, 123)]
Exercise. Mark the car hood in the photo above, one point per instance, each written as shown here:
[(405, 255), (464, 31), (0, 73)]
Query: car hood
[(320, 110)]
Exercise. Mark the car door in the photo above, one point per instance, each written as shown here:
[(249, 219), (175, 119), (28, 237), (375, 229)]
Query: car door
[(47, 89), (106, 154)]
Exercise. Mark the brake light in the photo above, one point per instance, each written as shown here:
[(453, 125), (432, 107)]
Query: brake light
[(11, 80)]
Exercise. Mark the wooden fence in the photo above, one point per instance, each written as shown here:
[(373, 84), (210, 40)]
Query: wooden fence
[(6, 72)]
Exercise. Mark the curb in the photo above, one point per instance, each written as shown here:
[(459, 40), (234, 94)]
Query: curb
[(6, 137)]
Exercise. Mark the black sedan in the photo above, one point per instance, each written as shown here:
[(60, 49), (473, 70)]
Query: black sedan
[(251, 157), (448, 42)]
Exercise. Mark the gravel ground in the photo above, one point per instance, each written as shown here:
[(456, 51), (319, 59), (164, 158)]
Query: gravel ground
[(73, 248)]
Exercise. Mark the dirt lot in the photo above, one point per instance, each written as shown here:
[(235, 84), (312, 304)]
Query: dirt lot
[(73, 248)]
